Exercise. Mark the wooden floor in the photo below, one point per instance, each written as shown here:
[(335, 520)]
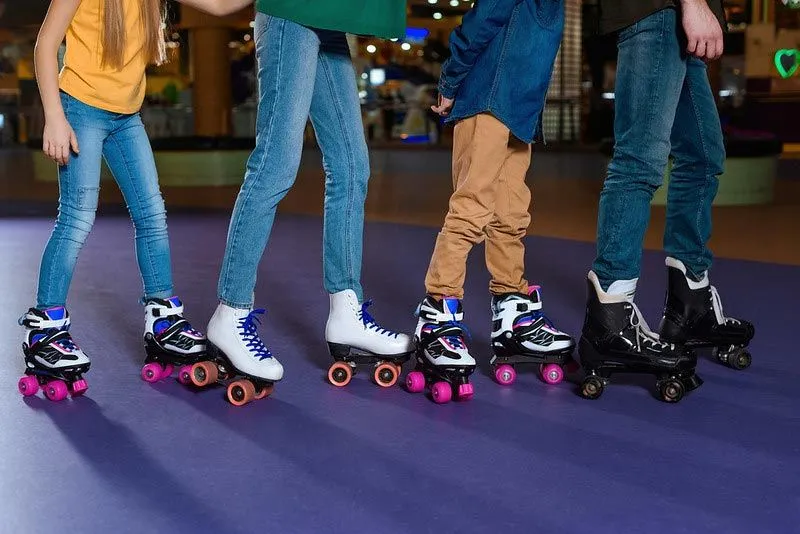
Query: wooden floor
[(412, 187)]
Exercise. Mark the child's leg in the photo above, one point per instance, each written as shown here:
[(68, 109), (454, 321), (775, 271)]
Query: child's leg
[(130, 158), (79, 184), (505, 250), (479, 152)]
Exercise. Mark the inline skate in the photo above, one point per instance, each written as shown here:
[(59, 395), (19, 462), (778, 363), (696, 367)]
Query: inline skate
[(169, 341)]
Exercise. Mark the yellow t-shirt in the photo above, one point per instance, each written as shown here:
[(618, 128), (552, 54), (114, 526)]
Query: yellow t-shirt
[(85, 78)]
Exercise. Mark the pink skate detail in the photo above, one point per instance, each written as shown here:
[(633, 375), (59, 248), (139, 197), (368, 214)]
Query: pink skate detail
[(415, 382), (185, 375), (533, 289), (79, 387), (505, 375), (552, 373), (28, 385), (441, 392), (465, 391), (56, 390), (167, 372), (151, 372)]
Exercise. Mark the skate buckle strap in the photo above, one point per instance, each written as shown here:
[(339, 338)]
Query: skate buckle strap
[(370, 323), (249, 326), (164, 311), (35, 321)]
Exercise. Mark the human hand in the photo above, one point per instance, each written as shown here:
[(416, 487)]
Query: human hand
[(58, 139)]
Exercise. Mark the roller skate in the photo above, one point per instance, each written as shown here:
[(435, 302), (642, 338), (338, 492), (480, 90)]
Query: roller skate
[(693, 316), (236, 354), (169, 341), (522, 334), (442, 359), (355, 338), (616, 339), (52, 359)]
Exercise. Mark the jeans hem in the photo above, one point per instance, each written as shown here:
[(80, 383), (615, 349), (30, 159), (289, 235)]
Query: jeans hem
[(236, 305)]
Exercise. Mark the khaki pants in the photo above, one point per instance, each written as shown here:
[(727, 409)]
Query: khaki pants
[(490, 203)]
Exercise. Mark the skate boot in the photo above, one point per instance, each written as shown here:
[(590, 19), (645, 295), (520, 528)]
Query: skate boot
[(522, 334), (355, 338), (616, 339), (236, 350), (442, 358), (52, 359), (169, 341), (693, 316)]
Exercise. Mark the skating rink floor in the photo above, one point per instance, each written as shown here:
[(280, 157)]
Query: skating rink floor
[(139, 458)]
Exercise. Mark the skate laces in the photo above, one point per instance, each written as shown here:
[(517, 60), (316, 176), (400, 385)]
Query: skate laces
[(370, 323), (716, 303), (643, 331), (249, 326)]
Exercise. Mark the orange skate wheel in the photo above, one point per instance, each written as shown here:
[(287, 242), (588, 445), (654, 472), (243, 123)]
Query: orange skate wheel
[(385, 375), (240, 392), (204, 373), (340, 374), (399, 368), (266, 391)]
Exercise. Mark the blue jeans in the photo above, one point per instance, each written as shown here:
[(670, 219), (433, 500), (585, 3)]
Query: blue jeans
[(122, 141), (664, 106), (300, 75)]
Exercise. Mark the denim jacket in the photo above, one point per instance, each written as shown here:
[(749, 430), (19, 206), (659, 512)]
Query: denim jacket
[(502, 59)]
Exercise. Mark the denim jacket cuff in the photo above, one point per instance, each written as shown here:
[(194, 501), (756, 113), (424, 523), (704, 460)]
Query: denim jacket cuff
[(446, 90)]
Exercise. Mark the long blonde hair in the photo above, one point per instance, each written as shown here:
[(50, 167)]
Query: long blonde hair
[(153, 16)]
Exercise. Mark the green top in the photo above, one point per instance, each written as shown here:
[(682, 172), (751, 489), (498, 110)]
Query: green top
[(381, 18)]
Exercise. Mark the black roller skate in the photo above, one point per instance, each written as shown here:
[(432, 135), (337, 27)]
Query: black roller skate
[(616, 339), (693, 316), (442, 358), (355, 338), (169, 341), (522, 334), (52, 359)]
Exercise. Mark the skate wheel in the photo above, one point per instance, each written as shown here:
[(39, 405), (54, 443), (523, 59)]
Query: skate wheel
[(441, 392), (740, 360), (56, 390), (78, 387), (415, 382), (340, 374), (185, 375), (264, 392), (552, 373), (152, 372), (399, 367), (385, 375), (465, 391), (671, 390), (167, 371), (240, 392), (591, 388), (28, 385), (204, 373), (505, 375)]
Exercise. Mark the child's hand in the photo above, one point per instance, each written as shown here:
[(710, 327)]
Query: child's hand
[(444, 106), (58, 139)]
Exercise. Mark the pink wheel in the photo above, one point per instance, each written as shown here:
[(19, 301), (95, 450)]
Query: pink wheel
[(79, 387), (552, 373), (465, 391), (28, 385), (505, 375), (167, 372), (151, 372), (56, 390), (441, 392), (415, 382), (185, 375)]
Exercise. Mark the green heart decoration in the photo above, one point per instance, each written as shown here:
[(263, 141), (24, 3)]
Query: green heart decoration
[(787, 61)]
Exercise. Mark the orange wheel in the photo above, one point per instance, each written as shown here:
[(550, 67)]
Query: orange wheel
[(266, 391), (399, 368), (386, 375), (240, 392), (204, 373), (340, 374)]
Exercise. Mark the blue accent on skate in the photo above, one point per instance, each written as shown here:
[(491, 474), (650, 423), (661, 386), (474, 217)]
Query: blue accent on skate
[(452, 305), (249, 326), (56, 314), (160, 325), (131, 457), (370, 322), (175, 301)]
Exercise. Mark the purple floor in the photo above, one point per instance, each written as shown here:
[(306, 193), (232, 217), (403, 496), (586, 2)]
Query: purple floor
[(133, 457)]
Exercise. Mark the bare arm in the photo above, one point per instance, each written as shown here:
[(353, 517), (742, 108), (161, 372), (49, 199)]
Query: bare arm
[(218, 8), (702, 29), (58, 135)]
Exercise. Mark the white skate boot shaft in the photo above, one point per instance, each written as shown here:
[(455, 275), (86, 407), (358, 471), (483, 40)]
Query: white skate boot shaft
[(47, 342), (165, 325), (351, 325), (521, 316), (234, 331), (440, 333)]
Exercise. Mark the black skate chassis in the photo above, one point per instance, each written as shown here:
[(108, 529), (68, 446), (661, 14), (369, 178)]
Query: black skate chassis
[(386, 367)]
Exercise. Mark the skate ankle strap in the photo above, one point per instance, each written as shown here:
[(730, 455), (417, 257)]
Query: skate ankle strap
[(29, 320), (164, 311)]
